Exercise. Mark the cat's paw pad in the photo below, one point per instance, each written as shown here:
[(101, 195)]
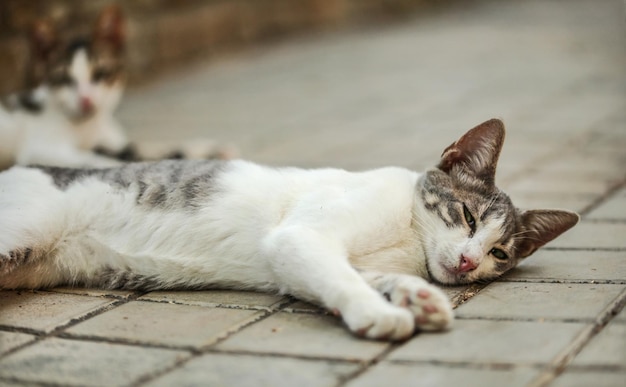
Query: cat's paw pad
[(430, 307), (383, 322)]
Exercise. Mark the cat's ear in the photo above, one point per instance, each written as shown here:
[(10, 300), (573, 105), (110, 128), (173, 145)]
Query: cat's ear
[(476, 152), (43, 38), (540, 227), (111, 27)]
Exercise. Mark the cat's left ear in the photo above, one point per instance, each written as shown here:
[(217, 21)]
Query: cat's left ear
[(540, 227), (476, 152), (110, 27)]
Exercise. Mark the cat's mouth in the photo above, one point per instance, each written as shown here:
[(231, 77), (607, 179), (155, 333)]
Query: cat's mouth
[(450, 275)]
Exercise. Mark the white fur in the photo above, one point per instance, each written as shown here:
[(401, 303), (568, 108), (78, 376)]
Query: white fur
[(294, 231)]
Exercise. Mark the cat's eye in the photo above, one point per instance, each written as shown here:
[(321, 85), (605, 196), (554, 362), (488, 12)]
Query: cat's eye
[(102, 74), (61, 79), (498, 253), (469, 218)]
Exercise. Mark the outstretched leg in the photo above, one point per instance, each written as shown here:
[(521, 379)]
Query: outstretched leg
[(308, 265)]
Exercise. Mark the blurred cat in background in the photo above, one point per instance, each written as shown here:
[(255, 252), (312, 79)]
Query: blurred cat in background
[(64, 116)]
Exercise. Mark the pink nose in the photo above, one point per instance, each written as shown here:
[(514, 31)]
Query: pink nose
[(86, 104), (467, 264)]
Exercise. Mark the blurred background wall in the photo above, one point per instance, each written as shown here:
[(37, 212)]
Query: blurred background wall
[(166, 33)]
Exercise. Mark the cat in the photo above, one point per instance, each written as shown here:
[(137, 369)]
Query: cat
[(72, 88), (364, 245)]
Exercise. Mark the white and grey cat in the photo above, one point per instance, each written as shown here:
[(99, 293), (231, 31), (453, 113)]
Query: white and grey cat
[(72, 88), (362, 244)]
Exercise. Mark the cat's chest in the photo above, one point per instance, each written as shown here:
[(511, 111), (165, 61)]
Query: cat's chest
[(374, 218)]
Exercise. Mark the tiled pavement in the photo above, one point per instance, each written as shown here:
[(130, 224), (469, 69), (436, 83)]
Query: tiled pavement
[(555, 71)]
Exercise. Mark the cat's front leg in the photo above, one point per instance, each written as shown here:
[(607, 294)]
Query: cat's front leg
[(313, 266), (430, 307)]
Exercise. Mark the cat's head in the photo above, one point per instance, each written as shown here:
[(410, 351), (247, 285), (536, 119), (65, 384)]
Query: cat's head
[(81, 76), (472, 231)]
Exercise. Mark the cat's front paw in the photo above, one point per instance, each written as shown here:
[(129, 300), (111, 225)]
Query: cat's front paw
[(379, 320), (430, 307)]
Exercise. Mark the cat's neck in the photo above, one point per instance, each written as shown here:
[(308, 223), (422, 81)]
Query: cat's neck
[(420, 226)]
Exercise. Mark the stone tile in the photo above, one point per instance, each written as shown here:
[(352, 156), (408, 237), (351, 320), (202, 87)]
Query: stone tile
[(608, 348), (529, 200), (165, 324), (578, 378), (621, 317), (44, 311), (12, 340), (216, 369), (69, 362), (572, 265), (216, 298), (453, 291), (301, 334), (540, 301), (14, 383), (593, 235), (614, 208), (500, 342), (122, 294), (410, 375), (305, 307), (558, 184)]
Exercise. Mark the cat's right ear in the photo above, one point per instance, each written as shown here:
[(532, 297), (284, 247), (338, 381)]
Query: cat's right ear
[(43, 39), (111, 27), (540, 227), (476, 152)]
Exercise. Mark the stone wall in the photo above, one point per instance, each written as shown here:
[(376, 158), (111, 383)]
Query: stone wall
[(165, 33)]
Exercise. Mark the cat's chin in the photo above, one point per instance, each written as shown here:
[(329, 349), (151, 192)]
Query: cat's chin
[(444, 275)]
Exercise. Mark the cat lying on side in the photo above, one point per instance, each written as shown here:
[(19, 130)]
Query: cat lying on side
[(65, 116), (361, 244)]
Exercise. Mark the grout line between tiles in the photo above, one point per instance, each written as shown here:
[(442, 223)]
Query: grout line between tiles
[(565, 357)]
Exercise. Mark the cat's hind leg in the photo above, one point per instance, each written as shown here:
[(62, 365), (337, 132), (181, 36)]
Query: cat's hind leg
[(314, 267), (430, 307), (31, 219)]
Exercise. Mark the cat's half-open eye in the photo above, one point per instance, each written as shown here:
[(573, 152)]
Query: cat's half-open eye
[(469, 218), (60, 78), (498, 253), (102, 74)]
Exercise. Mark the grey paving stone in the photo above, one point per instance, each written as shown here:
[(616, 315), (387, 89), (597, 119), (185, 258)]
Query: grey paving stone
[(304, 307), (608, 348), (540, 301), (14, 383), (614, 208), (593, 235), (560, 265), (256, 371), (44, 311), (165, 324), (530, 200), (229, 298), (69, 362), (123, 294), (621, 317), (542, 183), (416, 375), (12, 340), (578, 378), (491, 342), (302, 334)]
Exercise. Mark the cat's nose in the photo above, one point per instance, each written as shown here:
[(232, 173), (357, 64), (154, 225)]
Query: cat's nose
[(86, 104), (467, 264)]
